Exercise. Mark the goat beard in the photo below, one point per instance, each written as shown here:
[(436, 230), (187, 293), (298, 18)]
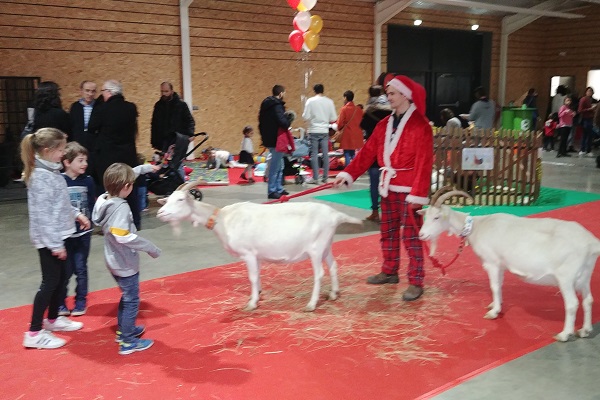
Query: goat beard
[(433, 246), (176, 225)]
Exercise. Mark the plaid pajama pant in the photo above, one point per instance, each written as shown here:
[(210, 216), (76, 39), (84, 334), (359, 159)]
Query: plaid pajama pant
[(395, 223)]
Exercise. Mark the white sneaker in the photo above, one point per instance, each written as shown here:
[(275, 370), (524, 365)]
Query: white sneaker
[(581, 153), (590, 154), (311, 181), (62, 324), (43, 340)]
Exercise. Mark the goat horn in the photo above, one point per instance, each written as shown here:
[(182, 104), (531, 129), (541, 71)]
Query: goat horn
[(439, 192), (446, 196), (191, 184)]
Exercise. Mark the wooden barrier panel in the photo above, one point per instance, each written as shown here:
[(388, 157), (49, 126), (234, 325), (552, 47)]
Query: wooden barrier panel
[(495, 167)]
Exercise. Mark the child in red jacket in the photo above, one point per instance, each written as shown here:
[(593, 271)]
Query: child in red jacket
[(549, 132)]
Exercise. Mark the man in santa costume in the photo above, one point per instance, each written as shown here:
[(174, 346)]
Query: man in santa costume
[(402, 144)]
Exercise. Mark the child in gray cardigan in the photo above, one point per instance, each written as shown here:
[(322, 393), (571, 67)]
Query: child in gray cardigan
[(121, 247)]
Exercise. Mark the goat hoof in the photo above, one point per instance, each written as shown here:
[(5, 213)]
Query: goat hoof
[(491, 315), (562, 337), (250, 307), (584, 332), (333, 296), (490, 306), (309, 308)]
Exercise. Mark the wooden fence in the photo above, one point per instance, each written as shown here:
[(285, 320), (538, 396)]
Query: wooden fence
[(496, 167)]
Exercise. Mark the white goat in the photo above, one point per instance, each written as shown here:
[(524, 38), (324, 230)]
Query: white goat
[(289, 232), (542, 251)]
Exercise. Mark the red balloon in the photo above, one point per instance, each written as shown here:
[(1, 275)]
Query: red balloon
[(293, 3), (296, 40)]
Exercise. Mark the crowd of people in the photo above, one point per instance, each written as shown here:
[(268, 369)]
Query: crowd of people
[(94, 146)]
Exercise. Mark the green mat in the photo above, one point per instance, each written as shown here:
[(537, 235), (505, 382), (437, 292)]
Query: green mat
[(550, 199), (211, 176)]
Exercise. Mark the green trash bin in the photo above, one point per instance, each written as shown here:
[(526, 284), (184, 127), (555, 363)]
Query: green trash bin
[(508, 117), (523, 120)]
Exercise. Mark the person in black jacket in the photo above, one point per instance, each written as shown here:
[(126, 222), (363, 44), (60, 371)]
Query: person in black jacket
[(271, 118), (48, 112), (171, 115), (115, 125), (80, 113)]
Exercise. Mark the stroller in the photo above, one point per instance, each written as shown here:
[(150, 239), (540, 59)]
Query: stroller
[(293, 163), (168, 179)]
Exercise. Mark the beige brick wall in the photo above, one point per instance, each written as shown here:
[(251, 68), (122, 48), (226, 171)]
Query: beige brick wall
[(240, 50)]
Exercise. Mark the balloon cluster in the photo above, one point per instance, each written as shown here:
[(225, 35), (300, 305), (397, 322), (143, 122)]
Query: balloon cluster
[(305, 35)]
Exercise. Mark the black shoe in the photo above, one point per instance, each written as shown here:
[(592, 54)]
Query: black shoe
[(284, 193), (382, 278), (412, 293), (274, 195), (566, 155)]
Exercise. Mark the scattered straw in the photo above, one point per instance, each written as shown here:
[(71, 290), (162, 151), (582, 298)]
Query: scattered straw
[(392, 329)]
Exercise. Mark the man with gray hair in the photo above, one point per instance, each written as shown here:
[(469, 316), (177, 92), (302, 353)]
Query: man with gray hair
[(114, 122)]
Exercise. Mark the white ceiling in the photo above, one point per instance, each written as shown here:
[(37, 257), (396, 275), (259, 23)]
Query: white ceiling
[(501, 8)]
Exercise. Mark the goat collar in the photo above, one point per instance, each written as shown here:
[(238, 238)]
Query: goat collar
[(468, 227), (212, 220)]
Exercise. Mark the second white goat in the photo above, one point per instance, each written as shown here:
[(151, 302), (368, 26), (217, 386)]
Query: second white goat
[(542, 251), (278, 233)]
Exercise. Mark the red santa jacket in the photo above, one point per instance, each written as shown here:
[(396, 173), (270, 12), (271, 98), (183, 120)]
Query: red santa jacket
[(405, 157)]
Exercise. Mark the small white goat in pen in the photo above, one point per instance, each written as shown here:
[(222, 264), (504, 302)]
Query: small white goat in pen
[(543, 251), (289, 232)]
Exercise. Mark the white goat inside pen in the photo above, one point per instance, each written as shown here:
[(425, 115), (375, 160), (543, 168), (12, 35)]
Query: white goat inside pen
[(543, 251), (278, 233)]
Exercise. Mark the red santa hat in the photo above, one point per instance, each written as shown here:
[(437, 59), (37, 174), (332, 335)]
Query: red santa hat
[(411, 89)]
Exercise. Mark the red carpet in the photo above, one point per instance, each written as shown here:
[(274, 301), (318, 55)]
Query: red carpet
[(366, 345)]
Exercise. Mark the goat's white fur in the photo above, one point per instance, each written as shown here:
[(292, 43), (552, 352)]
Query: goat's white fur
[(542, 251), (279, 233)]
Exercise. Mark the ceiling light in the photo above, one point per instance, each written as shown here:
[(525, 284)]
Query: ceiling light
[(474, 27), (417, 22)]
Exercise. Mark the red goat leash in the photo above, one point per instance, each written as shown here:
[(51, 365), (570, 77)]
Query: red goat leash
[(436, 263), (285, 198)]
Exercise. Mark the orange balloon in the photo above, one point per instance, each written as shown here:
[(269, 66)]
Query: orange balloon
[(316, 23), (311, 40)]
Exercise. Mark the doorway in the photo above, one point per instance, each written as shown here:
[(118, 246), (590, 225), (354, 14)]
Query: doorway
[(450, 64)]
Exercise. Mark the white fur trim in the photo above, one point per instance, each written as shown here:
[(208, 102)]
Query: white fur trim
[(401, 87), (388, 148), (347, 178), (417, 200)]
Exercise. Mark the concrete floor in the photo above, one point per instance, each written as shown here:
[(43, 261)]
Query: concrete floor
[(558, 371)]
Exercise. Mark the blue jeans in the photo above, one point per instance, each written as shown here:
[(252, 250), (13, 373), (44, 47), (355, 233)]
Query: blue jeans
[(349, 156), (143, 197), (128, 306), (275, 177), (588, 134), (78, 250), (374, 187), (319, 141)]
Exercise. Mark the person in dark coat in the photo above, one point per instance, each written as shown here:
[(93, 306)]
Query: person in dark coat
[(80, 113), (171, 115), (271, 118), (48, 109), (115, 125)]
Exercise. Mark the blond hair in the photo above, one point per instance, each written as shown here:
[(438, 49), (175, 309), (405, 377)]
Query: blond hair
[(44, 138), (116, 177)]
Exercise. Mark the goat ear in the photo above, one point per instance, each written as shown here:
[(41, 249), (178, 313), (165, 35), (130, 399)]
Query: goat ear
[(162, 201), (421, 212)]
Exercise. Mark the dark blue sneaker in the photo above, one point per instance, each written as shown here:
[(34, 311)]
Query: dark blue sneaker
[(137, 345), (137, 332), (63, 311)]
